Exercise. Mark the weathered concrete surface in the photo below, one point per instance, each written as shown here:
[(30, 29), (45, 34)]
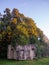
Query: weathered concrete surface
[(25, 52)]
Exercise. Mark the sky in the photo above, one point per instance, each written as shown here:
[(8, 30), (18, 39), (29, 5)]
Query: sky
[(38, 10)]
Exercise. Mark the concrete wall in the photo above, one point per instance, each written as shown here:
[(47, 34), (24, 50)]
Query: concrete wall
[(21, 52)]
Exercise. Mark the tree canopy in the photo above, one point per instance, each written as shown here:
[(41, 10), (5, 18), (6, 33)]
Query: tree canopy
[(15, 27)]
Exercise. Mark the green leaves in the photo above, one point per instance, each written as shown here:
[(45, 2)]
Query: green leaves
[(0, 37), (23, 40), (16, 28)]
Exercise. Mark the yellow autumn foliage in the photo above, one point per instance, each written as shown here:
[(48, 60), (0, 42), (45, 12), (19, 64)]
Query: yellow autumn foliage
[(31, 27), (8, 28), (14, 20), (3, 32), (16, 23), (15, 12), (22, 29), (9, 33)]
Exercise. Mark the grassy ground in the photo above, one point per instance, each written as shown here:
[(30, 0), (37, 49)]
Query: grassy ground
[(44, 61)]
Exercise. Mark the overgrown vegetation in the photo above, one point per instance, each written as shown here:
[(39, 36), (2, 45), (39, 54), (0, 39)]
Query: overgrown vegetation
[(17, 28)]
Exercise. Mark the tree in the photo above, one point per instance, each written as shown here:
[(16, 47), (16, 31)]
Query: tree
[(8, 14), (31, 26), (17, 28), (15, 13)]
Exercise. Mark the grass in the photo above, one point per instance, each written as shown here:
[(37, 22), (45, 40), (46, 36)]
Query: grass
[(44, 61)]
